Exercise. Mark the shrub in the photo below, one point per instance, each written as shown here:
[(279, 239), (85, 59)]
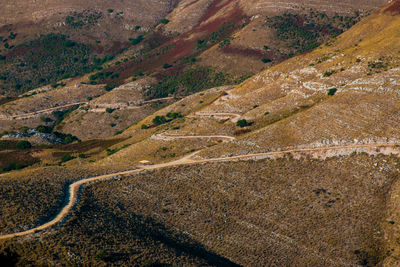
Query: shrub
[(110, 10), (66, 158), (66, 138), (332, 92), (137, 40), (82, 156), (158, 120), (144, 127), (110, 110), (266, 60), (164, 21), (167, 66), (112, 151), (174, 115), (108, 88), (43, 129), (243, 123), (45, 119), (329, 73), (23, 145)]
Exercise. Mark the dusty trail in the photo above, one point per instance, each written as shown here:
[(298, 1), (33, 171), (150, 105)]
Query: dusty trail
[(187, 160), (48, 110), (232, 116), (43, 111), (168, 137)]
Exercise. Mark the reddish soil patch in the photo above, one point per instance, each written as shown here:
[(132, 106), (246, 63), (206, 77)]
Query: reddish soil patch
[(393, 8), (182, 46), (115, 48), (213, 9), (248, 52)]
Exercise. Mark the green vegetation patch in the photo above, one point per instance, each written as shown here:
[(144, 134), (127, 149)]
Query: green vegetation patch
[(187, 82), (46, 60), (221, 35), (87, 18), (306, 32)]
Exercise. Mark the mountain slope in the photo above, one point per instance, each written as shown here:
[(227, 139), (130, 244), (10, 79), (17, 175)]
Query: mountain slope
[(297, 165)]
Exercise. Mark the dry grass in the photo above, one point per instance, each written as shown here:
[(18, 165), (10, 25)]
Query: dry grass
[(254, 213)]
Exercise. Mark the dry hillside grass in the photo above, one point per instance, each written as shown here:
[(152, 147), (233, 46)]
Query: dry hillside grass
[(253, 213)]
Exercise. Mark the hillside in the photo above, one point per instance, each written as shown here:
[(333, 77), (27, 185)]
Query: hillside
[(223, 43), (195, 164)]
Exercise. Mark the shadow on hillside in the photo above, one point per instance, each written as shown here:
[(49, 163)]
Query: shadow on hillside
[(110, 225)]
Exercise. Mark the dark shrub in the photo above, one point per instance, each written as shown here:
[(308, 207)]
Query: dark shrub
[(66, 158), (332, 92), (23, 145), (243, 123), (159, 120)]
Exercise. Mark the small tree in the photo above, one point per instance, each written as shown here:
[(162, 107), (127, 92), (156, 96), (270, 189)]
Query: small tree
[(23, 145)]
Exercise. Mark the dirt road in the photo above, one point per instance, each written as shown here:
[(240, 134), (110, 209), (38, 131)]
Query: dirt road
[(39, 112), (168, 137), (74, 188)]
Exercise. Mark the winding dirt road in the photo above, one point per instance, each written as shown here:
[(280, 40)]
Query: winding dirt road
[(232, 116), (39, 112), (48, 110), (187, 160), (168, 137)]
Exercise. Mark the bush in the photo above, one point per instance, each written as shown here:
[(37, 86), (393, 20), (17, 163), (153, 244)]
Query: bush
[(110, 110), (167, 66), (158, 120), (66, 138), (266, 60), (112, 151), (144, 126), (243, 123), (44, 129), (45, 119), (82, 156), (164, 21), (66, 158), (329, 73), (174, 115), (23, 145), (108, 88), (137, 40), (332, 92)]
